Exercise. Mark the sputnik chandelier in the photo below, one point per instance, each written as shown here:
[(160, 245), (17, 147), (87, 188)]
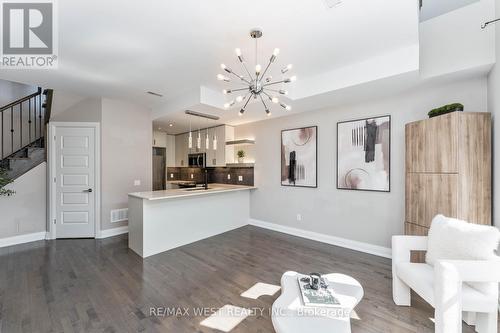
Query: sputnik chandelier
[(258, 85)]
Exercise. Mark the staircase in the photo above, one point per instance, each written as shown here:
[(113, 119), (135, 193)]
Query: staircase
[(23, 132)]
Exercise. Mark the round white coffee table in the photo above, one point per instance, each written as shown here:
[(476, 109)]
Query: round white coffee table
[(289, 315)]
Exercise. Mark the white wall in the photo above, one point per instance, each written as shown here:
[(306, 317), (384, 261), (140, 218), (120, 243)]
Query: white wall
[(25, 211), (362, 216), (126, 136), (455, 41), (494, 107), (79, 110), (12, 91)]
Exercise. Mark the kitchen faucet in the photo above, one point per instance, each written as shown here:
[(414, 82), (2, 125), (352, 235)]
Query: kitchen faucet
[(206, 179)]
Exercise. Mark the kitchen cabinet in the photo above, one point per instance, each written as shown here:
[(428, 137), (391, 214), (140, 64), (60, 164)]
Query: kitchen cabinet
[(181, 150), (159, 139), (215, 158)]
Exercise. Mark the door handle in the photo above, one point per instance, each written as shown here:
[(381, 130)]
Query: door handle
[(89, 190)]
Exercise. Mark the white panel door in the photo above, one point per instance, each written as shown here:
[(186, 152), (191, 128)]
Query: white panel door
[(75, 182)]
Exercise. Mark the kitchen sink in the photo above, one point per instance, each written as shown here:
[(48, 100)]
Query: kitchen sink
[(198, 189)]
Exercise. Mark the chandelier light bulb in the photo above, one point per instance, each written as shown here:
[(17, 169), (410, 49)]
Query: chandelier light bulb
[(241, 112), (276, 52), (293, 79), (286, 107), (239, 98), (225, 91), (221, 77), (238, 52), (224, 67), (286, 69), (275, 100), (258, 68), (268, 113), (283, 92), (228, 105)]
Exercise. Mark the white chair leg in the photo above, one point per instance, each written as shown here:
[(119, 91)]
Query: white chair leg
[(486, 322), (401, 293), (447, 299), (469, 318)]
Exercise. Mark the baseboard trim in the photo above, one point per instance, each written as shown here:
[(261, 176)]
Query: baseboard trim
[(332, 240), (112, 232), (21, 239)]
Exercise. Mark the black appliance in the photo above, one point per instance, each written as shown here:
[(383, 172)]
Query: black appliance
[(197, 160)]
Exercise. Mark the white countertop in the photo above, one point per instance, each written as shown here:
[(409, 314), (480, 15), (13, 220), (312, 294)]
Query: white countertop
[(179, 193)]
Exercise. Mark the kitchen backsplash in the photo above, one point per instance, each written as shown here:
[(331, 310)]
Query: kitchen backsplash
[(215, 175)]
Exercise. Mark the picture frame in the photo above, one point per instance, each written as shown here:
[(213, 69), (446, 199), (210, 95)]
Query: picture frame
[(358, 167), (299, 146)]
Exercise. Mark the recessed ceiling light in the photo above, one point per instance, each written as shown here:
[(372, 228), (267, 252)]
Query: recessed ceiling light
[(154, 94), (170, 125)]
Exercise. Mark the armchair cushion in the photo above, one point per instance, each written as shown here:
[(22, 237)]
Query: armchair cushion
[(454, 239)]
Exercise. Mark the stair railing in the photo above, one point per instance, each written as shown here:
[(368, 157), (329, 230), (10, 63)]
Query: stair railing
[(26, 114)]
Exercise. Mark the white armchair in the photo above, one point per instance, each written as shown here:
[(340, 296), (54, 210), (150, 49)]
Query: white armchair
[(443, 287)]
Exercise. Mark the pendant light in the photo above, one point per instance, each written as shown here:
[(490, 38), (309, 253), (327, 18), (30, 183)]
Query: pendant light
[(190, 140), (198, 140), (207, 139), (214, 142)]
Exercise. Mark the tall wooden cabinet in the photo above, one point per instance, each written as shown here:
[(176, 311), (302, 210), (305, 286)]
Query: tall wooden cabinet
[(448, 170)]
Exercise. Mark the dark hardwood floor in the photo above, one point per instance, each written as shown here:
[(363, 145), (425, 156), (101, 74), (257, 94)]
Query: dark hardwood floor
[(102, 286)]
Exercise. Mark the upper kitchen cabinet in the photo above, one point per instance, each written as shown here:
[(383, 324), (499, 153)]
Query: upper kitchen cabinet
[(181, 150), (159, 139), (214, 157), (217, 157)]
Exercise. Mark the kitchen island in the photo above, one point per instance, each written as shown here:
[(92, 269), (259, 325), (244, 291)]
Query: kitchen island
[(163, 220)]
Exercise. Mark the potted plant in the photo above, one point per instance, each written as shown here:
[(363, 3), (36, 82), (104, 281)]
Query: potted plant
[(4, 181), (445, 109), (241, 156)]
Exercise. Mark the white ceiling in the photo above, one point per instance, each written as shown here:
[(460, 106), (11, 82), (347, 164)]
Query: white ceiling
[(122, 49), (433, 8)]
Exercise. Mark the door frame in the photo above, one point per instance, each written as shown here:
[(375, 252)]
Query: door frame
[(51, 158)]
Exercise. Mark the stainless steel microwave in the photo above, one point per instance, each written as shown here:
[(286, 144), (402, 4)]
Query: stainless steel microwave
[(197, 160)]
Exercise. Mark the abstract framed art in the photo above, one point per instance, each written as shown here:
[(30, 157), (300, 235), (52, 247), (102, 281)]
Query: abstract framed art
[(364, 154), (299, 157)]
